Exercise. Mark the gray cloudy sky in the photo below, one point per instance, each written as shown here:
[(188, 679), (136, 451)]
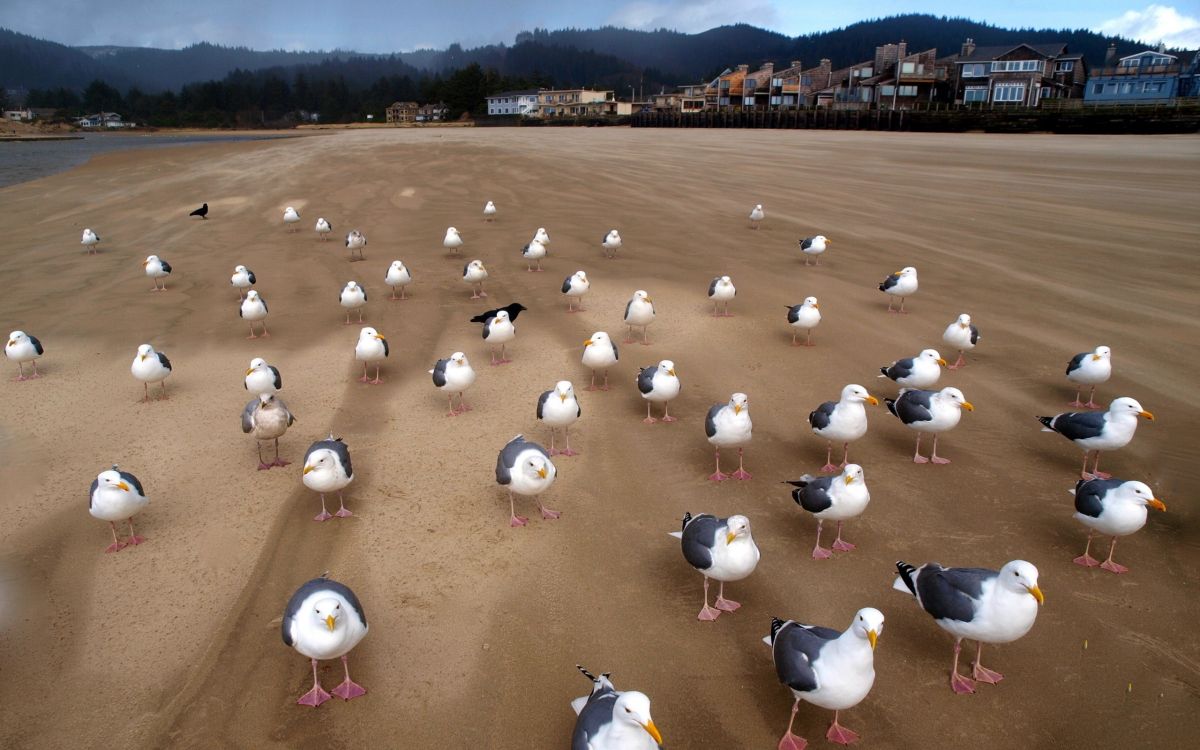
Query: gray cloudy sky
[(401, 25)]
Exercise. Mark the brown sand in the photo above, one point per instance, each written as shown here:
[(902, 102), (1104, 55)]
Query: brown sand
[(1055, 244)]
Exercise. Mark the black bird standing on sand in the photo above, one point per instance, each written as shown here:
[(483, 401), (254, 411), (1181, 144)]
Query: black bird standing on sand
[(202, 212)]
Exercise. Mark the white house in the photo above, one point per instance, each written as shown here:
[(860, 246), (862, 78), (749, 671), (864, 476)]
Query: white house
[(514, 103), (103, 120), (18, 115)]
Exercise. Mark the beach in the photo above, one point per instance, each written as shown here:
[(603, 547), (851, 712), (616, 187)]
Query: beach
[(1054, 245)]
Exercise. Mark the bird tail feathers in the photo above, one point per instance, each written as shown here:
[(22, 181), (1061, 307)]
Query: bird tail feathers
[(904, 582), (1048, 423), (676, 534)]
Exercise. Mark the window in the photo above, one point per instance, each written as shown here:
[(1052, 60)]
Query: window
[(908, 91), (868, 72), (1110, 88), (1161, 60), (1012, 66), (1065, 66), (866, 94), (748, 101), (974, 70), (776, 100), (1126, 88), (1131, 63), (887, 90), (1153, 87), (1009, 92), (776, 81), (975, 94), (1045, 92), (908, 67)]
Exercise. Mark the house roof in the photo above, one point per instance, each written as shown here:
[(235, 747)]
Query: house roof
[(1155, 53), (987, 54), (522, 92)]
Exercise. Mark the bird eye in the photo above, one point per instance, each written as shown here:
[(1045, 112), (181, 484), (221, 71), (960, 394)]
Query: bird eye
[(628, 711), (1016, 573)]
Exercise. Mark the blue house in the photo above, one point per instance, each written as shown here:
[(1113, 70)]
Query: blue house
[(1150, 76)]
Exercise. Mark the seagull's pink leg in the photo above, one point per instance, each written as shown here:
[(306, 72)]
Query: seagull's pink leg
[(347, 317), (794, 342), (393, 294), (349, 689), (1111, 566), (891, 301), (547, 513), (1077, 403), (741, 472), (789, 740), (667, 413), (839, 544), (1084, 472), (649, 419), (462, 403), (403, 293), (364, 378), (645, 335), (629, 339), (265, 333), (1086, 560), (958, 683), (481, 292), (723, 604), (514, 519), (934, 457), (829, 458), (317, 695), (35, 374), (503, 360), (553, 451), (960, 362), (982, 673), (1096, 469), (165, 397), (450, 400), (917, 457), (902, 311), (376, 381), (21, 369), (605, 386), (567, 439), (342, 512), (262, 465), (117, 544), (592, 385), (819, 552), (324, 514), (707, 613), (278, 461), (808, 340), (1091, 404), (839, 734), (133, 539), (845, 455), (717, 476), (145, 390), (252, 336)]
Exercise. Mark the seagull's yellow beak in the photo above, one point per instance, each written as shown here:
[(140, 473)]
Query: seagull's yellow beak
[(329, 622), (1147, 415), (649, 300), (542, 472), (12, 343), (562, 397), (941, 362), (1095, 357), (653, 730), (142, 356), (737, 408), (897, 273), (968, 406), (249, 370), (380, 336), (816, 306), (671, 373), (729, 537), (872, 636), (1157, 504), (962, 325), (872, 401), (125, 487), (588, 342), (849, 479), (309, 468), (1037, 594)]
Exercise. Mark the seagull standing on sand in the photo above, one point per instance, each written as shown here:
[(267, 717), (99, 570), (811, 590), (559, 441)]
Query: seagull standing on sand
[(611, 244), (327, 468), (658, 383), (978, 604), (921, 371), (453, 240), (149, 367), (639, 311), (324, 620), (353, 297), (599, 352), (1113, 507), (243, 278), (397, 276), (489, 211), (929, 411), (22, 348), (721, 549), (534, 251), (902, 284), (526, 469), (202, 212), (262, 377), (843, 421), (729, 425), (1098, 430), (826, 668), (499, 329), (355, 242), (157, 268), (291, 217), (323, 229), (963, 336), (475, 274), (559, 408), (837, 498), (254, 309), (90, 240), (371, 347), (1089, 368), (805, 316), (813, 247), (721, 289), (613, 720), (267, 418), (454, 375), (575, 286), (117, 496), (756, 216)]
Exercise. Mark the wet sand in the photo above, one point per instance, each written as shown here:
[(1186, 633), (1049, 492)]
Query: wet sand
[(1054, 244)]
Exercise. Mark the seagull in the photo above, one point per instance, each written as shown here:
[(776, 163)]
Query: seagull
[(267, 418), (756, 216), (243, 278), (639, 311), (489, 211), (963, 336), (575, 286), (397, 276), (837, 498), (454, 375), (117, 496), (353, 297), (722, 549), (526, 469), (812, 247), (541, 236), (826, 668), (156, 269), (498, 329), (929, 411), (658, 384), (1113, 507), (921, 371), (844, 420), (262, 377), (1089, 368), (982, 605), (1098, 430), (475, 274), (613, 720), (902, 283), (324, 620), (559, 408), (356, 241), (453, 240), (611, 244), (806, 315), (202, 212), (599, 351), (371, 347), (721, 289), (149, 367), (324, 228), (327, 468), (729, 425), (534, 251), (291, 217), (90, 240), (22, 348), (254, 309)]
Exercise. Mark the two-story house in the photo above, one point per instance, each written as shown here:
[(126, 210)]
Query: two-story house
[(402, 112), (1149, 76), (514, 103), (1020, 75), (575, 102), (896, 79)]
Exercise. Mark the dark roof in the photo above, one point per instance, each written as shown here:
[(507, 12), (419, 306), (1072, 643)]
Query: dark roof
[(987, 54), (523, 92)]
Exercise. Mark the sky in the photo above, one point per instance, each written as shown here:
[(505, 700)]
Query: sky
[(405, 25)]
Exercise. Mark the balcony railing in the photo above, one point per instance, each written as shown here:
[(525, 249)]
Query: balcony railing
[(1139, 70)]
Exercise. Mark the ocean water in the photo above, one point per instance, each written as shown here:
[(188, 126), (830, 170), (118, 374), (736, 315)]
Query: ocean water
[(21, 161)]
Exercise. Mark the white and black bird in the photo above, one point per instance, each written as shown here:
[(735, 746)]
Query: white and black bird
[(842, 421), (498, 329), (813, 247), (1089, 368), (266, 418), (830, 669), (533, 252), (327, 469), (963, 336), (398, 275), (575, 286), (372, 347), (721, 291), (89, 240), (242, 279), (324, 228), (474, 273), (453, 240), (728, 425), (353, 297), (611, 244), (639, 312), (902, 284), (454, 375), (253, 310), (541, 236), (804, 317), (489, 211), (156, 268), (355, 242), (721, 549), (262, 377), (1112, 507), (291, 218), (1098, 430), (929, 411), (611, 719), (525, 468), (756, 216), (986, 606), (22, 348), (149, 367), (325, 620), (599, 353), (117, 496), (921, 371), (558, 408), (836, 498), (658, 384)]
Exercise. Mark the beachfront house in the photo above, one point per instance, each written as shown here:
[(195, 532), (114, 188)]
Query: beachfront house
[(575, 103), (433, 112), (514, 103), (896, 79), (1152, 76), (402, 112), (1017, 75), (18, 115), (110, 120)]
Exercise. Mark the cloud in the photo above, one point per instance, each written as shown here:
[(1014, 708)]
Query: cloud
[(694, 15), (1157, 23)]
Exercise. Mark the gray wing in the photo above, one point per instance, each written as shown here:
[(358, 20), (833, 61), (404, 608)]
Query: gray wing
[(162, 360), (812, 493), (699, 538), (566, 287), (819, 417), (290, 417), (465, 269), (889, 282), (1076, 361), (1089, 495), (912, 406), (627, 304), (37, 345), (794, 649), (806, 243), (278, 378), (508, 459), (646, 378), (712, 286), (614, 346), (794, 313), (542, 402), (951, 593), (1078, 425), (901, 368), (439, 372), (974, 334), (248, 415), (710, 421), (309, 588), (92, 491), (487, 327), (596, 713)]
